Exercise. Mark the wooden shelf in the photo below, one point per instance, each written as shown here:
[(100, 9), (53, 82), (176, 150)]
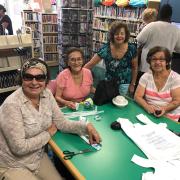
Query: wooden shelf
[(50, 32), (49, 23), (52, 52), (4, 69), (119, 18), (31, 21), (15, 46), (52, 63), (13, 88)]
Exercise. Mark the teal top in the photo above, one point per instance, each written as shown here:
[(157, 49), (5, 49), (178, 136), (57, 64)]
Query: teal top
[(118, 68)]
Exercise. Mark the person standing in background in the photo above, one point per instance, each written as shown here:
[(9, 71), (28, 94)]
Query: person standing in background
[(120, 58), (5, 22), (149, 15), (159, 33)]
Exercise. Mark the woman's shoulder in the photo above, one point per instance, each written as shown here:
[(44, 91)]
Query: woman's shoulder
[(64, 74), (147, 75), (174, 78), (17, 97), (132, 49), (174, 74), (104, 48), (85, 70), (132, 46)]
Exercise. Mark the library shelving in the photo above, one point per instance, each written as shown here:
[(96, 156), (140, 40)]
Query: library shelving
[(105, 15), (14, 50), (32, 19), (75, 27), (50, 38)]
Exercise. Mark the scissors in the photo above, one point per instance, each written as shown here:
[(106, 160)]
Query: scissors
[(70, 154)]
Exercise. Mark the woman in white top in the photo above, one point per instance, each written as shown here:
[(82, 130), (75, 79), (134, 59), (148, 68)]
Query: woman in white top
[(158, 91)]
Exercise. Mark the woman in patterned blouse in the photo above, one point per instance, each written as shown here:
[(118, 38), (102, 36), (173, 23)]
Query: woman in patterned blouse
[(120, 57), (28, 119)]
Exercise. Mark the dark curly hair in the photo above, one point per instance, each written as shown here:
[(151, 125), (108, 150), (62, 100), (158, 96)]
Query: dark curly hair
[(2, 8), (165, 13), (115, 27), (166, 52)]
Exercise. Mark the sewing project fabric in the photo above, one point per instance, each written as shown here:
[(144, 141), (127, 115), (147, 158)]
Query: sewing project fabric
[(160, 145)]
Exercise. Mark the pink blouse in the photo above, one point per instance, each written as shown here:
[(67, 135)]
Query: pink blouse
[(72, 91)]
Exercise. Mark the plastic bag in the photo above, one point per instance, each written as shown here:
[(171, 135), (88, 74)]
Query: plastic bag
[(108, 2), (122, 3), (138, 3), (106, 91)]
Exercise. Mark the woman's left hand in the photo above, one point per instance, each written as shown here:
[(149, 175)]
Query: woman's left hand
[(160, 111), (131, 88), (94, 137)]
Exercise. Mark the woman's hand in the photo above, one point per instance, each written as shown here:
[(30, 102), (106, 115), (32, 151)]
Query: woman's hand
[(150, 108), (52, 129), (94, 137), (160, 111), (131, 88), (70, 104)]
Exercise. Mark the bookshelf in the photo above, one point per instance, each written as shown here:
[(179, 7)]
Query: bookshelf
[(105, 15), (32, 19), (75, 30), (50, 38), (14, 50)]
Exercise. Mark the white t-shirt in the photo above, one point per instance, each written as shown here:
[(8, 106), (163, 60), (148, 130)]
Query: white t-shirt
[(162, 97), (158, 33)]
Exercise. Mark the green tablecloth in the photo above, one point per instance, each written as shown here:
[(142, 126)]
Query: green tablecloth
[(113, 161)]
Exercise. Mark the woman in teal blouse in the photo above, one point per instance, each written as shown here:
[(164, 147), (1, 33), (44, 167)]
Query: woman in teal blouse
[(120, 58)]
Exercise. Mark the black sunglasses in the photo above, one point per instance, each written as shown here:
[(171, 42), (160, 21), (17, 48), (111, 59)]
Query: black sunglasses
[(30, 77)]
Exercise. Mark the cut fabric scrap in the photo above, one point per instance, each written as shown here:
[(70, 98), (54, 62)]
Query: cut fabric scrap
[(155, 141), (160, 145), (163, 170)]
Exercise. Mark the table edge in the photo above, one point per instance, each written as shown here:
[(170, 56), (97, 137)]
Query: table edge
[(74, 171)]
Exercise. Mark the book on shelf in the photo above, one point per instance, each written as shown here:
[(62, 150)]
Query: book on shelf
[(49, 18), (74, 27), (50, 48), (51, 57), (8, 79), (73, 15), (50, 28), (50, 39), (65, 15), (83, 27), (73, 40)]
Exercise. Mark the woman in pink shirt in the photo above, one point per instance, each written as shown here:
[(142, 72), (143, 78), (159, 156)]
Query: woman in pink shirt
[(74, 83), (158, 91)]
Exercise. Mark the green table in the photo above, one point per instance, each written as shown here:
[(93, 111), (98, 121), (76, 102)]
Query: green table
[(113, 161)]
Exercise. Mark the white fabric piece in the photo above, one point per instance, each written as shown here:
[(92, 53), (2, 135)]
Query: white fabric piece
[(161, 146), (155, 141), (163, 170)]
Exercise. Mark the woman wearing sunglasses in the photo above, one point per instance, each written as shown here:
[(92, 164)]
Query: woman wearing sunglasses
[(28, 119), (74, 83)]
